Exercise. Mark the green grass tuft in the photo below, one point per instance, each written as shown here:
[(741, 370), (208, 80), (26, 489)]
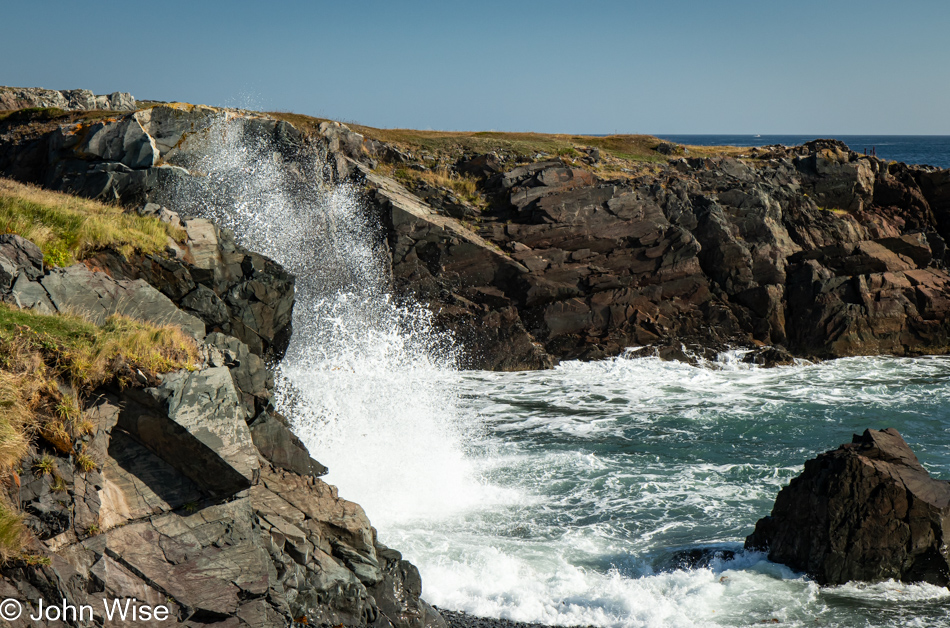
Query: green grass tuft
[(68, 228), (44, 466), (85, 355), (11, 532)]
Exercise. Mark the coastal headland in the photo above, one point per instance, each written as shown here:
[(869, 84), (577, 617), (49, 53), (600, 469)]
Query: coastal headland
[(146, 459)]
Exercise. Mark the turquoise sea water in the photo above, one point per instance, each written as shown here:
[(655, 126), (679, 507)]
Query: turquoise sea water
[(556, 496), (604, 470)]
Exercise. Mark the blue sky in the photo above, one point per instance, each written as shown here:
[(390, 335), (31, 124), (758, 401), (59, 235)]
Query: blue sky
[(834, 67)]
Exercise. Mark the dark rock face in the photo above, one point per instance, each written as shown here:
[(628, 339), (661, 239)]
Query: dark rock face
[(231, 290), (438, 260), (815, 250), (202, 499), (865, 511)]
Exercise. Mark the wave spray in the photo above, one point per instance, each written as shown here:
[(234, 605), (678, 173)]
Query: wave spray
[(368, 383)]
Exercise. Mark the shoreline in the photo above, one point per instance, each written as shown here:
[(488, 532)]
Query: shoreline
[(461, 619)]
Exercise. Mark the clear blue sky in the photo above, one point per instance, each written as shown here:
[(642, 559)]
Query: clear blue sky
[(830, 67)]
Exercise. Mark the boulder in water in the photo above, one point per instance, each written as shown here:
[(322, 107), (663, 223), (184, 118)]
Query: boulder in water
[(865, 511)]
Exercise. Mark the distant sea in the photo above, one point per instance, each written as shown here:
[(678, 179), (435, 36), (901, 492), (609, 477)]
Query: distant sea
[(933, 150)]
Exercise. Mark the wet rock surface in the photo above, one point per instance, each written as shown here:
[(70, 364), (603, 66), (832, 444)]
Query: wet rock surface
[(866, 511)]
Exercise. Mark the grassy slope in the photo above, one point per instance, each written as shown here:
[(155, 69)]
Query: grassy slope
[(49, 362), (67, 228)]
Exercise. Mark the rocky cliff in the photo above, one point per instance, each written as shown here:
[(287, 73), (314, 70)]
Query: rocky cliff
[(812, 251), (12, 98), (186, 488), (599, 244), (180, 488)]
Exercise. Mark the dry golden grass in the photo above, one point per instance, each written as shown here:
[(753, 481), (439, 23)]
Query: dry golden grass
[(18, 396), (77, 351), (718, 151), (68, 228), (12, 532), (455, 143), (464, 186), (47, 364), (452, 144)]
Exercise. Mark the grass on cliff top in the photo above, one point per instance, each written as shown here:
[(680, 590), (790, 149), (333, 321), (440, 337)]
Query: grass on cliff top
[(455, 143), (47, 364), (626, 147), (68, 228), (74, 350)]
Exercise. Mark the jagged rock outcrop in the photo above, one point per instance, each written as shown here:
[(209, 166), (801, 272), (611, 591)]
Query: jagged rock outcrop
[(437, 259), (66, 99), (814, 250), (207, 283), (77, 289), (127, 158), (202, 499), (865, 511), (210, 277)]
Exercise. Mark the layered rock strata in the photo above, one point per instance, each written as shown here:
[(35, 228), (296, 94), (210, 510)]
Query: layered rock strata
[(817, 251), (866, 511)]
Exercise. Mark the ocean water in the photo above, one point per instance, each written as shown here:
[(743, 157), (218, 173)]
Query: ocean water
[(603, 471), (933, 150), (556, 496)]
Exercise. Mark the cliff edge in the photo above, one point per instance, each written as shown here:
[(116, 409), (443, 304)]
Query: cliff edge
[(142, 459)]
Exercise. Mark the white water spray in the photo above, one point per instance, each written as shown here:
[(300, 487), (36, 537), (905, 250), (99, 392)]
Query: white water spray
[(607, 467), (368, 383)]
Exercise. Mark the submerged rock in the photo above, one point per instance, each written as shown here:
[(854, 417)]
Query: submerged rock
[(769, 357), (698, 558), (866, 511)]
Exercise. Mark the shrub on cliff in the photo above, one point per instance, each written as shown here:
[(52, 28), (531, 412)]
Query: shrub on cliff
[(67, 228)]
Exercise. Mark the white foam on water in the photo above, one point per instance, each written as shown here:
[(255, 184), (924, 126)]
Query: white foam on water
[(547, 496), (537, 585)]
